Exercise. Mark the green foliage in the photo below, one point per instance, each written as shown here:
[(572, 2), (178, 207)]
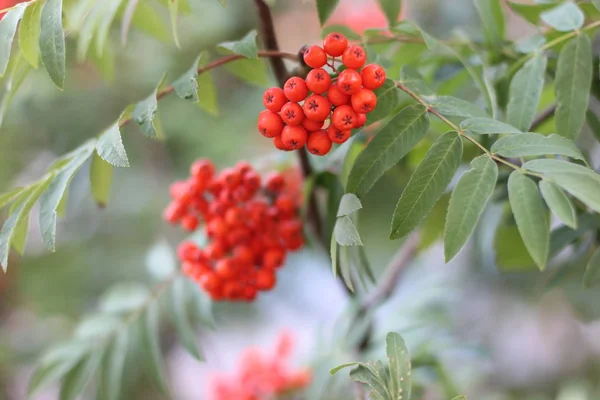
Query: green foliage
[(325, 9), (564, 18), (29, 33), (52, 42), (535, 144), (490, 12), (245, 46), (101, 174), (487, 126), (559, 203), (591, 276), (525, 91), (8, 28), (391, 9), (144, 112)]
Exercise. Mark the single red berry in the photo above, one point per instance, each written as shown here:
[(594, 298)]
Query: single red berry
[(275, 182), (270, 124), (317, 108), (312, 126), (373, 76), (216, 228), (188, 251), (318, 143), (249, 293), (215, 250), (210, 281), (190, 222), (295, 89), (265, 279), (318, 81), (233, 290), (354, 57), (349, 81), (291, 113), (243, 255), (274, 99), (225, 269), (315, 57), (278, 143), (344, 118), (294, 137), (335, 44), (360, 120), (364, 101), (338, 136), (174, 212), (286, 204), (273, 258), (336, 97), (202, 170)]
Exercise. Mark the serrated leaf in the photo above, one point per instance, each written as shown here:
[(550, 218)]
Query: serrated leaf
[(8, 28), (150, 337), (564, 17), (110, 147), (124, 298), (29, 33), (399, 364), (572, 86), (411, 78), (186, 85), (387, 148), (372, 374), (52, 42), (8, 197), (245, 46), (467, 202), (427, 184), (492, 18), (531, 12), (346, 233), (525, 91), (349, 204), (388, 98), (160, 260), (343, 29), (559, 203), (487, 126), (581, 182), (325, 8), (391, 9), (173, 6), (181, 318), (101, 175), (250, 71), (535, 144), (145, 111), (114, 365), (454, 107), (76, 380), (530, 216), (591, 277)]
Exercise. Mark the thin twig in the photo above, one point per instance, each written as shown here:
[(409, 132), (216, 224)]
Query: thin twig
[(543, 117)]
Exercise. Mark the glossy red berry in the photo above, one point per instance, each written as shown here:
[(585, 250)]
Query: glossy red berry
[(294, 137), (190, 222), (278, 143), (274, 99), (349, 81), (338, 136), (273, 258), (335, 44), (354, 57), (295, 89), (315, 57), (318, 143), (270, 124), (291, 113), (360, 120), (364, 101), (336, 97), (318, 81), (265, 279), (317, 108), (312, 126), (343, 118), (373, 76)]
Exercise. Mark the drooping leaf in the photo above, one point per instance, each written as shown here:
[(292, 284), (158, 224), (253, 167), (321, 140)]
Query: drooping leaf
[(181, 319), (530, 216), (245, 47), (391, 9), (207, 93), (186, 86), (564, 17), (145, 111), (387, 148), (101, 175), (52, 41), (531, 12), (535, 144), (525, 91), (109, 12), (110, 147), (29, 33), (374, 375), (250, 71), (325, 8), (346, 233), (427, 184), (581, 182), (591, 277), (124, 298), (349, 204), (487, 126), (468, 200), (492, 18), (8, 28), (151, 341), (387, 100), (19, 69), (450, 106), (76, 380), (559, 203), (8, 197), (572, 87), (399, 365), (173, 6), (114, 365), (345, 267)]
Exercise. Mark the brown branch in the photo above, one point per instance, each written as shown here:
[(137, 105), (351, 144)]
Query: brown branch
[(543, 117)]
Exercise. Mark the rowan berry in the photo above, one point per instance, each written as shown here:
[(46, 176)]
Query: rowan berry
[(354, 57), (233, 290), (315, 57), (335, 44), (270, 124), (249, 293), (190, 222), (336, 97), (210, 281), (202, 170), (265, 279), (318, 143), (294, 137), (274, 99), (360, 120), (344, 118), (317, 108), (338, 136), (278, 142), (291, 113), (295, 89), (364, 101), (243, 255), (187, 251), (285, 203), (275, 182), (312, 126), (349, 81), (173, 212), (373, 76), (225, 269), (214, 250), (318, 81)]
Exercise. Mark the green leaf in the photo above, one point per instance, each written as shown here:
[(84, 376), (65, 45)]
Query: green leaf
[(8, 197), (565, 17), (343, 29), (391, 9), (147, 19), (249, 70), (468, 200), (531, 12), (114, 365), (124, 298), (388, 98), (110, 147), (374, 375), (450, 106), (160, 261), (181, 318), (572, 87), (525, 91), (559, 203), (8, 27), (411, 78), (346, 233), (207, 93), (593, 123), (173, 11), (76, 380), (150, 337), (325, 8), (530, 44), (52, 42), (535, 144), (108, 13), (245, 47), (145, 111), (399, 363), (348, 205), (581, 182), (387, 148), (101, 175), (186, 86), (333, 252), (54, 366), (19, 70), (97, 326), (492, 18), (29, 33), (487, 126), (427, 184), (530, 216), (345, 267), (591, 277)]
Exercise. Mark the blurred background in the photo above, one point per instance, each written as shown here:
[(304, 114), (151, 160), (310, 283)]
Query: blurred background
[(479, 326)]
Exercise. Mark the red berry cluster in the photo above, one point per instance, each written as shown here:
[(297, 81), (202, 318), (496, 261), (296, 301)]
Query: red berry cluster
[(295, 115), (250, 224)]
